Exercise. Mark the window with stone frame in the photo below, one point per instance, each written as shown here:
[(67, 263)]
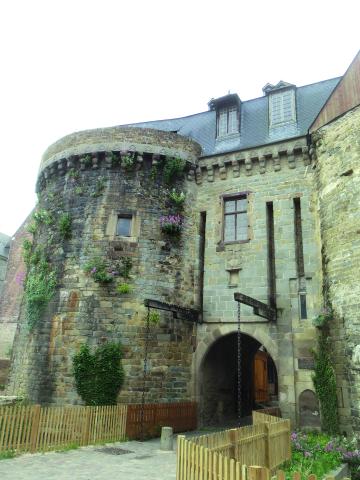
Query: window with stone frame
[(282, 108), (124, 225), (227, 121), (235, 227)]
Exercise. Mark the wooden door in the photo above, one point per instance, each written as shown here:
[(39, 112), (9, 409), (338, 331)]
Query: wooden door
[(261, 384)]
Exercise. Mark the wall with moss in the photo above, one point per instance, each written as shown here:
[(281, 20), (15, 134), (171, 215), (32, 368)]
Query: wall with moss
[(92, 190), (337, 150)]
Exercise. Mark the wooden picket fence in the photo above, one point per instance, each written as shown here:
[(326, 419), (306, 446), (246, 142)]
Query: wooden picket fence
[(222, 455), (35, 428), (181, 416)]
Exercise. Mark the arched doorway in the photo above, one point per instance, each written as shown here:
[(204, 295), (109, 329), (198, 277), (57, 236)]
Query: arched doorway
[(219, 380)]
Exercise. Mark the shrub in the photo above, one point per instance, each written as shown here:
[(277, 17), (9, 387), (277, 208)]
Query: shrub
[(99, 376)]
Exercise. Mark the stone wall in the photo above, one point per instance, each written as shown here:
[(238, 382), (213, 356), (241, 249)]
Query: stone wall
[(275, 175), (4, 253), (94, 191), (337, 148)]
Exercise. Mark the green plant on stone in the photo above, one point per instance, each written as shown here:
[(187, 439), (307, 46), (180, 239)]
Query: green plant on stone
[(79, 190), (99, 376), (125, 267), (99, 271), (124, 288), (115, 159), (73, 174), (87, 160), (154, 318), (65, 226), (27, 247), (39, 287), (324, 380), (99, 187), (127, 160), (32, 228), (43, 217), (177, 198), (173, 169)]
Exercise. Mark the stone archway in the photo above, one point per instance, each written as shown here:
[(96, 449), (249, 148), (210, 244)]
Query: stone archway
[(218, 374)]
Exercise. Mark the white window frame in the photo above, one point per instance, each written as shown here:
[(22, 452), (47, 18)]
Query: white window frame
[(280, 98), (227, 121)]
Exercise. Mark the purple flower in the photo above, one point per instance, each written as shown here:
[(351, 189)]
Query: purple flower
[(307, 454), (20, 277), (293, 436), (93, 270)]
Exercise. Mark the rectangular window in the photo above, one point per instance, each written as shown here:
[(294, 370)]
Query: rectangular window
[(228, 121), (282, 108), (124, 225), (235, 219)]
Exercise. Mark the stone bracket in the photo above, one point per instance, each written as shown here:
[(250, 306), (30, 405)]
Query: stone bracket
[(259, 308)]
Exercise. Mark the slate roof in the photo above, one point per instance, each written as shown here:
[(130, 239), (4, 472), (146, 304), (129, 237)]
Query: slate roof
[(254, 131)]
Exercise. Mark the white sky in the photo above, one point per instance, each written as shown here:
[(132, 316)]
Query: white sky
[(69, 65)]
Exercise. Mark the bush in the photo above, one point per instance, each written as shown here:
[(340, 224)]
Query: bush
[(99, 376)]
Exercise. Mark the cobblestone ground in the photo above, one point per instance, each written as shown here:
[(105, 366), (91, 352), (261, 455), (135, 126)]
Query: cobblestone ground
[(141, 460)]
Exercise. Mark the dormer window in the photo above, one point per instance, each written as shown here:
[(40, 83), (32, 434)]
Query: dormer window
[(227, 115), (282, 108), (228, 121), (282, 104)]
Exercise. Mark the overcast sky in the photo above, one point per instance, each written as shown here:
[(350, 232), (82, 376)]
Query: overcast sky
[(72, 65)]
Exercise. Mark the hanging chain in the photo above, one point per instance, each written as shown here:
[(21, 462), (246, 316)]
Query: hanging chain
[(146, 348), (239, 367)]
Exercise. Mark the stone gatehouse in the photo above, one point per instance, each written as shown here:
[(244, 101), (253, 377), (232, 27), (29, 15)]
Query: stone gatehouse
[(267, 197)]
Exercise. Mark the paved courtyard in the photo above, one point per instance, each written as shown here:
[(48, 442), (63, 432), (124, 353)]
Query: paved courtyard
[(122, 461)]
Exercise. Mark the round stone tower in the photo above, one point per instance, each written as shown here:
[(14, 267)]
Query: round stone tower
[(337, 148), (111, 229)]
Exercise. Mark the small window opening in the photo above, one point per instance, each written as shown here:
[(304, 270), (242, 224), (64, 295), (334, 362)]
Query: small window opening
[(303, 308), (124, 224)]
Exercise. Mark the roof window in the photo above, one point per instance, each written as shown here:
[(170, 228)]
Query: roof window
[(227, 114), (282, 103)]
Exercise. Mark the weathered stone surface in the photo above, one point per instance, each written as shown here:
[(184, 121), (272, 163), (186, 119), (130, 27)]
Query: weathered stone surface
[(338, 183)]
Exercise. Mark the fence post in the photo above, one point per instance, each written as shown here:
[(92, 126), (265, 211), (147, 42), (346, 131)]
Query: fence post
[(267, 446), (232, 438), (35, 427), (180, 457), (86, 427), (258, 473)]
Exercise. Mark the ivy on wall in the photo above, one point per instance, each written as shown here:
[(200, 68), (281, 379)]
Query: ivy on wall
[(99, 376), (324, 378), (41, 276)]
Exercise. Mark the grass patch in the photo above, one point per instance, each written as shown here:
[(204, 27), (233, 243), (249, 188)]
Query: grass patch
[(67, 448), (6, 454)]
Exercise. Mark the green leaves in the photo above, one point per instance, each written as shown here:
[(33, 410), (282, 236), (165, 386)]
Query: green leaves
[(99, 376), (325, 385)]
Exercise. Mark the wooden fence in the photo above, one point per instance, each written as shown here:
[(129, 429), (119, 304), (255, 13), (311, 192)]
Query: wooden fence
[(221, 455), (34, 428), (181, 416)]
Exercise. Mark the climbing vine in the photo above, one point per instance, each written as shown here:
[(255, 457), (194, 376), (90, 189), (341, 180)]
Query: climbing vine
[(173, 168), (99, 376), (324, 377), (41, 276)]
